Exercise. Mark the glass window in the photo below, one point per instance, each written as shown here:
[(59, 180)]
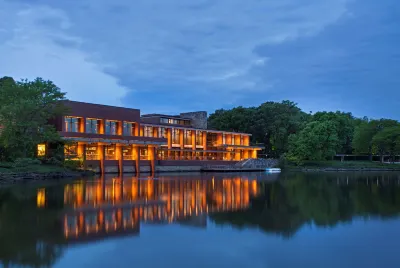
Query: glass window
[(175, 136), (111, 127), (127, 152), (129, 129), (223, 138), (71, 151), (199, 137), (71, 124), (92, 125), (187, 138), (164, 120), (162, 133), (233, 140), (148, 131), (41, 150), (91, 152), (143, 154)]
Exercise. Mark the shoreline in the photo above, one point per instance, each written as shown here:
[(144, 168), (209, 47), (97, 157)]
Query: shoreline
[(332, 169), (12, 178)]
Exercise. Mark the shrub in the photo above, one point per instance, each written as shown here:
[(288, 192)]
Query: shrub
[(24, 162), (6, 164), (53, 161), (73, 164), (282, 162)]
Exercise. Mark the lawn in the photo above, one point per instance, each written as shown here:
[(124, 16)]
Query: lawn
[(346, 164), (7, 167)]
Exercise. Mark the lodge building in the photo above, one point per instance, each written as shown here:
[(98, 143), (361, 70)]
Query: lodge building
[(113, 139)]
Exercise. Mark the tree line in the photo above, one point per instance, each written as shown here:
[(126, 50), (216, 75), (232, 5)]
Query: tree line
[(285, 130)]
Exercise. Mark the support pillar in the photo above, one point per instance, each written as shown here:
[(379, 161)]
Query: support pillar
[(136, 157), (169, 139), (204, 140), (120, 157), (254, 154), (84, 146), (102, 155), (246, 154), (193, 144), (237, 155), (152, 158)]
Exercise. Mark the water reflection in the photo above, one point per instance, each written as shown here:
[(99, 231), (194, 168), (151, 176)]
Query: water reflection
[(38, 224)]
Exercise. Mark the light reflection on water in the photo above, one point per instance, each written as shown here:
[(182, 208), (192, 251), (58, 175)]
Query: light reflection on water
[(47, 225)]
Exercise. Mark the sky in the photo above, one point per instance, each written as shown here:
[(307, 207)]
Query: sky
[(174, 56)]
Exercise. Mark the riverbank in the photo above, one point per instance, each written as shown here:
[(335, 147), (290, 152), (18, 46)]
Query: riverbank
[(337, 166), (11, 174)]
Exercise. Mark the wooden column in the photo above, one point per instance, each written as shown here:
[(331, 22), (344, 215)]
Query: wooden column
[(120, 157), (193, 144), (181, 142), (102, 155), (82, 125), (204, 140), (237, 155), (169, 139), (246, 154), (254, 154), (152, 158), (136, 157), (84, 156)]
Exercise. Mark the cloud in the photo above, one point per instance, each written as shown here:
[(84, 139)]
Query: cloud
[(38, 47), (93, 47)]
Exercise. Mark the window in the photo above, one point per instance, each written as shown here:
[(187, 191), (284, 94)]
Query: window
[(162, 133), (91, 153), (148, 131), (127, 152), (41, 150), (110, 152), (233, 140), (111, 127), (129, 129), (187, 137), (143, 154), (241, 140), (199, 137), (71, 124), (175, 136), (71, 151), (223, 138), (164, 120), (92, 125)]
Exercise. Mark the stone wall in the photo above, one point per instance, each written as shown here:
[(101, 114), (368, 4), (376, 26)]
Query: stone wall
[(199, 119)]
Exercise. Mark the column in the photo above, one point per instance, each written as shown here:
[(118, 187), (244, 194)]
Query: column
[(254, 154), (237, 155), (84, 156), (181, 142), (152, 158), (193, 144), (120, 157), (245, 154), (102, 155), (155, 132), (228, 156), (204, 140), (169, 138), (136, 157), (82, 125)]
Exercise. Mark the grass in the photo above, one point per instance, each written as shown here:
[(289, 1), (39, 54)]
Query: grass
[(345, 164)]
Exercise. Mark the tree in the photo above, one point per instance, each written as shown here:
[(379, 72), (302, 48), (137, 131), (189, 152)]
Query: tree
[(25, 110), (365, 132), (387, 141), (317, 141), (271, 123)]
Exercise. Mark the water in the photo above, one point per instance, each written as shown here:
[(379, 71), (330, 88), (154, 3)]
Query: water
[(205, 220)]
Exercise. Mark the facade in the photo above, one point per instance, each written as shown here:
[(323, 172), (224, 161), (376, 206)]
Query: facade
[(114, 139)]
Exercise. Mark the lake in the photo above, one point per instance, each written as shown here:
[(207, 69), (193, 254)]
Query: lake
[(204, 220)]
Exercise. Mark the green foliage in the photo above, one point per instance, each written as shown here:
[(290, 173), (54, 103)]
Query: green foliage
[(387, 141), (25, 110), (317, 141), (24, 162), (73, 164), (271, 123)]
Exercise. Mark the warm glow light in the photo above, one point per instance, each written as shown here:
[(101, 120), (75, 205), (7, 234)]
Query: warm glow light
[(41, 198), (41, 150)]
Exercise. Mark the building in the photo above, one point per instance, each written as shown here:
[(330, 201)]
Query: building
[(113, 139)]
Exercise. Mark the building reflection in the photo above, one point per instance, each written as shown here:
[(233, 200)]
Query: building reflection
[(116, 206)]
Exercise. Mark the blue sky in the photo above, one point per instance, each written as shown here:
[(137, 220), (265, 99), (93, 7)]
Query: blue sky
[(170, 56)]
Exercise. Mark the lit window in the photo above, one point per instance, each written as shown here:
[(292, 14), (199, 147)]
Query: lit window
[(111, 127), (199, 137), (175, 136), (92, 126), (187, 137), (129, 129), (41, 150), (148, 131), (71, 124), (162, 133)]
